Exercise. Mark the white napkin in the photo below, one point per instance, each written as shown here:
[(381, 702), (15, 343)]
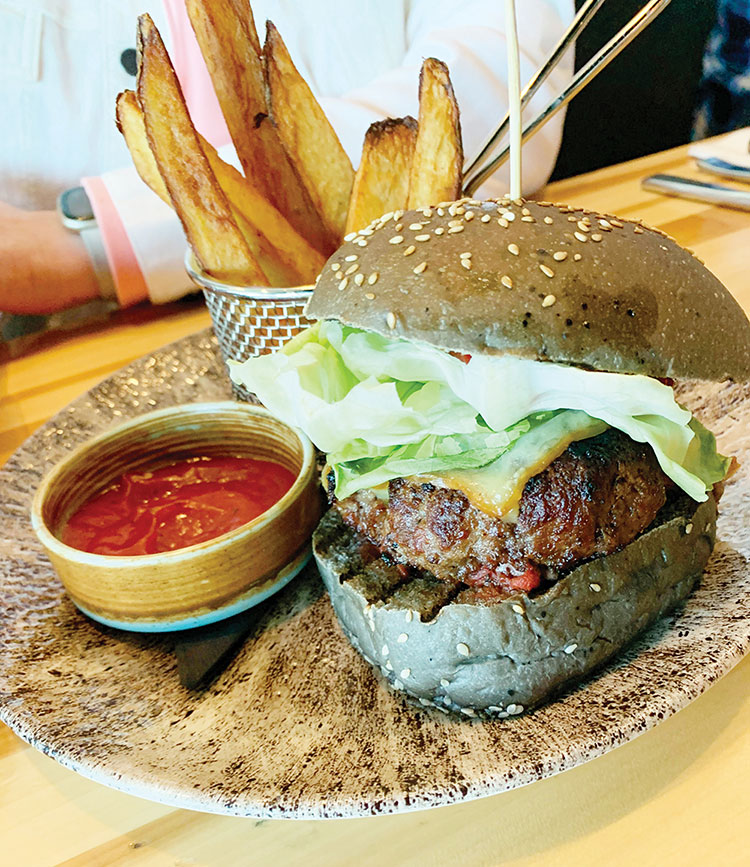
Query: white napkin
[(732, 148)]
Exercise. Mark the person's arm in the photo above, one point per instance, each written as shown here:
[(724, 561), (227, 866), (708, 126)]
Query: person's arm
[(43, 266)]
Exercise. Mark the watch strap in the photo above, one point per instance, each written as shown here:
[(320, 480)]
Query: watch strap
[(92, 239)]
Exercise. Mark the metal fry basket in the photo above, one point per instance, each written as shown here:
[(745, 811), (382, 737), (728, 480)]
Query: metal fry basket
[(250, 320)]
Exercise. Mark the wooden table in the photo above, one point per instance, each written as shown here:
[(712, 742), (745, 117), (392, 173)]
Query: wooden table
[(677, 795)]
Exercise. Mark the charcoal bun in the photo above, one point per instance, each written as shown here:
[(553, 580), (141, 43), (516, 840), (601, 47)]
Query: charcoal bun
[(540, 281), (497, 660)]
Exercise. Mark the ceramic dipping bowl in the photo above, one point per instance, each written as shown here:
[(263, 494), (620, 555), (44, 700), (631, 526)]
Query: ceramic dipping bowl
[(202, 583)]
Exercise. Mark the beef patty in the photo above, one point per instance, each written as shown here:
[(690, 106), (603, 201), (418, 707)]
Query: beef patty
[(595, 498)]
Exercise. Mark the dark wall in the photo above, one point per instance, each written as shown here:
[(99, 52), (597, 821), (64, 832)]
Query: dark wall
[(644, 100)]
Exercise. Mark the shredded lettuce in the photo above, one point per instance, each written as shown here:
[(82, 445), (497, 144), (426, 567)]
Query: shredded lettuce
[(383, 408)]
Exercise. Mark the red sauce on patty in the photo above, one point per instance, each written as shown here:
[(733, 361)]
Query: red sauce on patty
[(190, 501)]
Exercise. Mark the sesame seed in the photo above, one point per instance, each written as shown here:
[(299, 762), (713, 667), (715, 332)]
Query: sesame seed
[(396, 239), (463, 649), (405, 673), (638, 230), (367, 231), (397, 216), (688, 529), (402, 638), (528, 220), (389, 665), (386, 217), (425, 702), (518, 709), (373, 278), (441, 212), (440, 230), (570, 648), (352, 258), (362, 243), (549, 221), (452, 210), (493, 708), (344, 283), (444, 682), (469, 216), (427, 212), (460, 211), (572, 219), (509, 216), (547, 271), (605, 224), (398, 227), (335, 266), (503, 222), (464, 255), (596, 237), (454, 229), (595, 587), (526, 212), (511, 708), (548, 301), (384, 651), (506, 281), (616, 223), (338, 274), (409, 250), (581, 236), (560, 256), (397, 684), (455, 223), (422, 237), (351, 269), (513, 249), (517, 608), (409, 615), (486, 218), (466, 263), (359, 279), (468, 711), (415, 227), (420, 268), (351, 236), (584, 226), (577, 257), (370, 296), (390, 319)]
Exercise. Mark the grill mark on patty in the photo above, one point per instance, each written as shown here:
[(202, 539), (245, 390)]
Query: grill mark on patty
[(592, 500)]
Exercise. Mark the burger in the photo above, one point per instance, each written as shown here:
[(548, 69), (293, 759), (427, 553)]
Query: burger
[(515, 491)]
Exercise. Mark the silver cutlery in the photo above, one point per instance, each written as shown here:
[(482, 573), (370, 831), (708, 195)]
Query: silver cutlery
[(699, 191)]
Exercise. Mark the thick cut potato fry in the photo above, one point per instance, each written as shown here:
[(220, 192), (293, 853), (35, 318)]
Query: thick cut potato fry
[(381, 183), (131, 125), (200, 203), (308, 137), (286, 258), (229, 43), (438, 155)]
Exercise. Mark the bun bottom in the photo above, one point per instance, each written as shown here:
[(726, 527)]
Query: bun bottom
[(497, 660)]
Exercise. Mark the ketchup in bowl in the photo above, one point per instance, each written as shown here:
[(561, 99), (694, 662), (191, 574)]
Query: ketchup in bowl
[(184, 503)]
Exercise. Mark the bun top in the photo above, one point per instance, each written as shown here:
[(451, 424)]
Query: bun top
[(541, 281)]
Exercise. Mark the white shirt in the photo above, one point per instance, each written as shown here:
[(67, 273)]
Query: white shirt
[(360, 57)]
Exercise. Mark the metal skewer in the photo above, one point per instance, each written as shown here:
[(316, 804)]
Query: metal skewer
[(475, 176)]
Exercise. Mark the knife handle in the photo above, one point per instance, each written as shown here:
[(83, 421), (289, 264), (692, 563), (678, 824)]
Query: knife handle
[(699, 191)]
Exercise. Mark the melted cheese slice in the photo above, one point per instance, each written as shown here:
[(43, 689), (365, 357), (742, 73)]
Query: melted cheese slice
[(497, 488)]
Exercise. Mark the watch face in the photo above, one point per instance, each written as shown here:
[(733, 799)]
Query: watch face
[(75, 205)]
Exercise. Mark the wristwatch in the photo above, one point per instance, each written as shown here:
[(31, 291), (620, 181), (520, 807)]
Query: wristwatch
[(76, 214)]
